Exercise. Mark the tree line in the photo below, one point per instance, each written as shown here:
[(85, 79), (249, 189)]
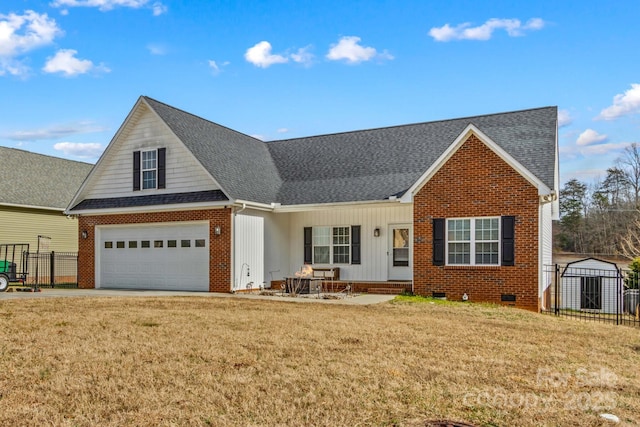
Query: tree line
[(603, 217)]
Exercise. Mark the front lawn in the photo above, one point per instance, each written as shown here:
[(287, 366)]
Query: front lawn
[(213, 361)]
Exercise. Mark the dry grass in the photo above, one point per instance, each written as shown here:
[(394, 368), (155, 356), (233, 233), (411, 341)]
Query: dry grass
[(209, 361)]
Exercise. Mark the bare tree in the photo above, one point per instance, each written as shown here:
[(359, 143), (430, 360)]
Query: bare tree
[(630, 241), (629, 162)]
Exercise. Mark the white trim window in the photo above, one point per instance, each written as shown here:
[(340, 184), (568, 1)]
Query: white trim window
[(149, 169), (331, 245), (473, 241)]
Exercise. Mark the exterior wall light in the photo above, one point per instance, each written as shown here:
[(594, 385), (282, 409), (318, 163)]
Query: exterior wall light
[(85, 234), (217, 230), (376, 232)]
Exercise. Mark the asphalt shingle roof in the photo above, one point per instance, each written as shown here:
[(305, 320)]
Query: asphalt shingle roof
[(30, 179), (241, 164), (371, 164), (151, 200), (377, 163)]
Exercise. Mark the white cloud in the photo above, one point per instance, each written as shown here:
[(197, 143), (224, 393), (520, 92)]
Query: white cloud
[(577, 151), (260, 55), (80, 149), (564, 118), (105, 5), (22, 33), (65, 62), (54, 132), (158, 8), (349, 50), (157, 49), (590, 137), (303, 56), (465, 31), (282, 130), (623, 104)]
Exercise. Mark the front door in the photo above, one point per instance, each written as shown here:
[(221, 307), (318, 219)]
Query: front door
[(400, 266)]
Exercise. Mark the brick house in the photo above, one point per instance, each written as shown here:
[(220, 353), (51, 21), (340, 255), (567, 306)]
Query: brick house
[(454, 208)]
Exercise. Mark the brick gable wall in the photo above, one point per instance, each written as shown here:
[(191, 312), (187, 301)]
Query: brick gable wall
[(219, 246), (476, 182)]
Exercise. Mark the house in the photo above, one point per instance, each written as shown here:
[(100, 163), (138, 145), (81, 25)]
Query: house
[(453, 208), (592, 285), (35, 189)]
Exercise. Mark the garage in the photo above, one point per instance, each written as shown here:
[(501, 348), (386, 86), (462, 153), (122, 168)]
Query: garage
[(172, 256)]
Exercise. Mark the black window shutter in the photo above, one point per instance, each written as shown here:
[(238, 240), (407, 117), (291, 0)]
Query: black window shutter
[(308, 248), (355, 244), (162, 157), (438, 241), (508, 240), (136, 171)]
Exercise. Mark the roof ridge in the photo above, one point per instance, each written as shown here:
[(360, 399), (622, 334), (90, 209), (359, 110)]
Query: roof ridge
[(412, 124), (46, 155), (201, 118)]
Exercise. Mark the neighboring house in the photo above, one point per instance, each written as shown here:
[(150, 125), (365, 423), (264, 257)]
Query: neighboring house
[(592, 285), (34, 191), (458, 207)]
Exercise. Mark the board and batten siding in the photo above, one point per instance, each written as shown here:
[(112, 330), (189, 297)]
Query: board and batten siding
[(261, 242), (374, 250), (23, 225), (145, 131)]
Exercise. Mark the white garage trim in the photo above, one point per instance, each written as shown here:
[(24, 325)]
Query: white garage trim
[(167, 256)]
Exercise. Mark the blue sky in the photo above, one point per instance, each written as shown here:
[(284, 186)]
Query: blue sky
[(70, 70)]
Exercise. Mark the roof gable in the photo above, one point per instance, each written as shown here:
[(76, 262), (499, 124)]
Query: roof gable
[(49, 182), (241, 164), (144, 130), (459, 141)]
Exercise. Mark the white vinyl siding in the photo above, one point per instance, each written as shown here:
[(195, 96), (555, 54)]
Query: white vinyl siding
[(375, 253), (143, 132)]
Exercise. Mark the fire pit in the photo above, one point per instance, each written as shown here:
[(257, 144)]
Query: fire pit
[(301, 285), (303, 282)]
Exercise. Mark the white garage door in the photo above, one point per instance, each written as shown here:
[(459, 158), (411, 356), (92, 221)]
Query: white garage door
[(154, 256)]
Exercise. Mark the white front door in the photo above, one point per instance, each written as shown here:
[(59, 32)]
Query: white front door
[(400, 252)]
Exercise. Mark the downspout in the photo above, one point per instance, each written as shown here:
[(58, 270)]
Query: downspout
[(235, 211)]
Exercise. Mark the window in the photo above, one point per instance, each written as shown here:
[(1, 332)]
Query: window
[(473, 241), (185, 243), (144, 244), (133, 244), (331, 245), (149, 169), (171, 244), (157, 243), (341, 242), (120, 245), (200, 243), (108, 245), (400, 247), (591, 293)]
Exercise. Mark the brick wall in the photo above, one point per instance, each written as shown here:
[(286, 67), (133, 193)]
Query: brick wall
[(476, 182), (219, 246)]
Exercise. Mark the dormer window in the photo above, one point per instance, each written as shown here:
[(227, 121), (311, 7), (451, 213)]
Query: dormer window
[(149, 170)]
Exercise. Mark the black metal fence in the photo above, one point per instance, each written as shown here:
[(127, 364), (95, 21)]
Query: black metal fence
[(53, 269), (592, 290)]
